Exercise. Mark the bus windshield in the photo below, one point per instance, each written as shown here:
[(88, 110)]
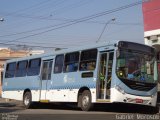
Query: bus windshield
[(136, 66)]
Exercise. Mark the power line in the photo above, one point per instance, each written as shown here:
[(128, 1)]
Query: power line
[(66, 24), (71, 6), (28, 8), (41, 43), (61, 19), (56, 3), (35, 46), (80, 3), (96, 22)]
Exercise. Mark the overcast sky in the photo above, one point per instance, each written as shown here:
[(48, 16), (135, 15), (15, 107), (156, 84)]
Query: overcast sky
[(47, 23)]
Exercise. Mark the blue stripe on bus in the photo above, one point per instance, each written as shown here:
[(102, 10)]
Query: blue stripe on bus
[(72, 87), (16, 89), (52, 88)]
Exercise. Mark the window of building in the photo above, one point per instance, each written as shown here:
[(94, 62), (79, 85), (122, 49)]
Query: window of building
[(10, 70), (21, 68), (71, 62), (88, 60), (34, 67), (59, 64)]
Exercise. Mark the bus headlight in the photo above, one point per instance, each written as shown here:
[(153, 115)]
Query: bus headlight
[(119, 89)]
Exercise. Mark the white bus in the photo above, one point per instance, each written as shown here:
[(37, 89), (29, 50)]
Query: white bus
[(124, 72)]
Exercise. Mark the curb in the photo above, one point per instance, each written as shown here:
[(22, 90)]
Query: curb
[(7, 103)]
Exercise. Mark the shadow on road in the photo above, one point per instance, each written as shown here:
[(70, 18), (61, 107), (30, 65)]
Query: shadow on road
[(4, 110), (125, 108), (117, 108)]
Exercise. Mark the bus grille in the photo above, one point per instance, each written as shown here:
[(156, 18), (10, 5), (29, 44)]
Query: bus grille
[(141, 88)]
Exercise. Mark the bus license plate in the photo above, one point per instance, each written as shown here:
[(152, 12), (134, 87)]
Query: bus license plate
[(139, 100)]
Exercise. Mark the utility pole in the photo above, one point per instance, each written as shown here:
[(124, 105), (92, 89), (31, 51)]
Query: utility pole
[(113, 19)]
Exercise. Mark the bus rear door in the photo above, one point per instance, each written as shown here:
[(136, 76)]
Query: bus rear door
[(45, 78)]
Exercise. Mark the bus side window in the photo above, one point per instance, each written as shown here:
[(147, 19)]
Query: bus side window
[(21, 68), (10, 70), (59, 64), (34, 67), (71, 62), (88, 60)]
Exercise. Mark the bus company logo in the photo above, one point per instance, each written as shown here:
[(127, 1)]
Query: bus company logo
[(67, 79)]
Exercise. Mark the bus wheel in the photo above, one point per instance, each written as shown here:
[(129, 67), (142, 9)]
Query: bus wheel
[(27, 100), (85, 101)]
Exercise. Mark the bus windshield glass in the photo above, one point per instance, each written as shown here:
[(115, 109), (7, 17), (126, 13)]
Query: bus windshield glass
[(136, 66)]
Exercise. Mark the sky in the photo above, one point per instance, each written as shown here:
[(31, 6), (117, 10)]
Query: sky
[(50, 24)]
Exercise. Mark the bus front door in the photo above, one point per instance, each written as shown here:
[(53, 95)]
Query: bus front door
[(45, 78), (104, 75)]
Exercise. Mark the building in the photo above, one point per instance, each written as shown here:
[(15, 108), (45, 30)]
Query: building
[(6, 54), (151, 16)]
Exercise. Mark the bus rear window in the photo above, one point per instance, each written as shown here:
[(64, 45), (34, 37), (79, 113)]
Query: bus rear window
[(10, 70), (88, 60), (34, 67)]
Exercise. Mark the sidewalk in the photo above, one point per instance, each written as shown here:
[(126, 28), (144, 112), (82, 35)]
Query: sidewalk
[(8, 103)]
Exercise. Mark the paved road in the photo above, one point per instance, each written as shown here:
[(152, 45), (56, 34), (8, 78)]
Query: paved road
[(14, 109)]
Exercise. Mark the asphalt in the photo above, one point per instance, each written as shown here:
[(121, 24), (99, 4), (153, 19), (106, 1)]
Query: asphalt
[(14, 103)]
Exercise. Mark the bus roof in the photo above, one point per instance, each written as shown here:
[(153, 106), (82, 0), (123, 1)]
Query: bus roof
[(63, 51), (69, 50)]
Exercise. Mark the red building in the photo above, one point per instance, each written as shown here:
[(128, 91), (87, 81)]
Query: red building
[(151, 16)]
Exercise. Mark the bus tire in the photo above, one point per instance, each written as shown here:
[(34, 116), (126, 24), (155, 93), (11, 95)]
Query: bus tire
[(85, 101), (27, 100)]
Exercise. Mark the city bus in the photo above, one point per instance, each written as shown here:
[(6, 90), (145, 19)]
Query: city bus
[(123, 72)]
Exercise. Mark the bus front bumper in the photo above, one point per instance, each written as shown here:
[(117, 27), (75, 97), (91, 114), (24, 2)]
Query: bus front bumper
[(119, 95)]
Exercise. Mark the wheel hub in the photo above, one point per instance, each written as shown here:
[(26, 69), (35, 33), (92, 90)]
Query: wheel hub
[(85, 101), (26, 100)]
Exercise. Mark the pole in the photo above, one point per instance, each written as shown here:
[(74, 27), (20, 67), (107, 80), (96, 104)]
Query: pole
[(104, 29)]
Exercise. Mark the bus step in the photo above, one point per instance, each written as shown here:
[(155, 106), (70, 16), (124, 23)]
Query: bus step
[(103, 100), (44, 101)]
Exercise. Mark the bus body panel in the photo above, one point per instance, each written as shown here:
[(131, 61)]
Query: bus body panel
[(70, 83), (18, 95)]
